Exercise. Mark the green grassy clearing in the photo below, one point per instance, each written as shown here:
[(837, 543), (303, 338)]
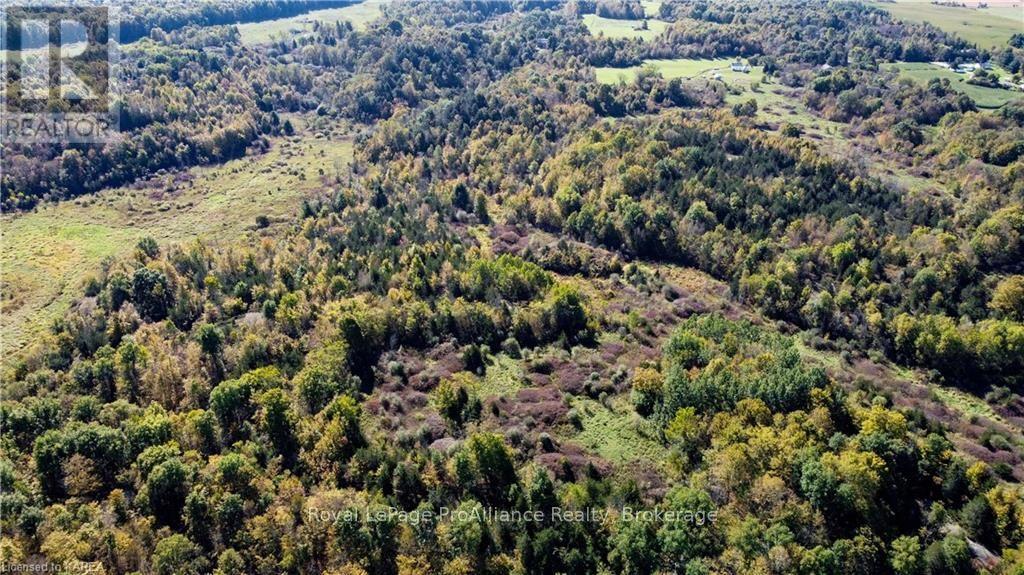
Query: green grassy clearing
[(618, 435), (988, 27), (827, 360), (651, 7), (778, 105), (965, 403), (360, 15), (504, 377), (47, 253), (676, 68), (774, 101), (984, 97), (611, 28)]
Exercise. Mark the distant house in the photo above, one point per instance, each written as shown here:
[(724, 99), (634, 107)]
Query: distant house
[(738, 66)]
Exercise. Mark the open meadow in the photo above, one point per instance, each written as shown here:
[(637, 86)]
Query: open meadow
[(674, 68), (614, 28), (986, 27), (47, 253), (360, 15), (778, 106), (983, 96), (651, 7)]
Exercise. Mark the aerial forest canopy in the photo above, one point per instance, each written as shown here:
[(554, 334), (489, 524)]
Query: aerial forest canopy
[(524, 287)]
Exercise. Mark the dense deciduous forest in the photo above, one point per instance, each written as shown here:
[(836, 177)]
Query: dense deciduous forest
[(697, 339)]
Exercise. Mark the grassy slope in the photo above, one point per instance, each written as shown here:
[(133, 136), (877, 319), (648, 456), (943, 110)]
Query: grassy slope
[(622, 28), (617, 433), (46, 254), (987, 28), (504, 378), (358, 14), (677, 68), (983, 96)]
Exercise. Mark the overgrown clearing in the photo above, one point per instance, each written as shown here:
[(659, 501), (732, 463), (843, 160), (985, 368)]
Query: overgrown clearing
[(616, 432), (46, 254), (360, 15), (986, 27), (776, 103), (612, 28), (504, 378), (965, 403), (983, 96)]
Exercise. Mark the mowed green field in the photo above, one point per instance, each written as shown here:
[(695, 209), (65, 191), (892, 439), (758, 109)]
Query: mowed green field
[(612, 28), (675, 68), (986, 27), (651, 7), (983, 96), (360, 15), (46, 254)]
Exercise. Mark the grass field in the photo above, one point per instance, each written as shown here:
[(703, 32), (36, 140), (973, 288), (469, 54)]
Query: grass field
[(262, 32), (965, 403), (651, 7), (504, 377), (611, 28), (618, 434), (984, 97), (46, 254), (985, 27), (677, 68)]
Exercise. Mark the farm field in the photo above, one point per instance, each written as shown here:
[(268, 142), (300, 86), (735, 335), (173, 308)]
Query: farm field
[(358, 14), (674, 68), (985, 97), (612, 28), (47, 253), (987, 27), (651, 7)]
